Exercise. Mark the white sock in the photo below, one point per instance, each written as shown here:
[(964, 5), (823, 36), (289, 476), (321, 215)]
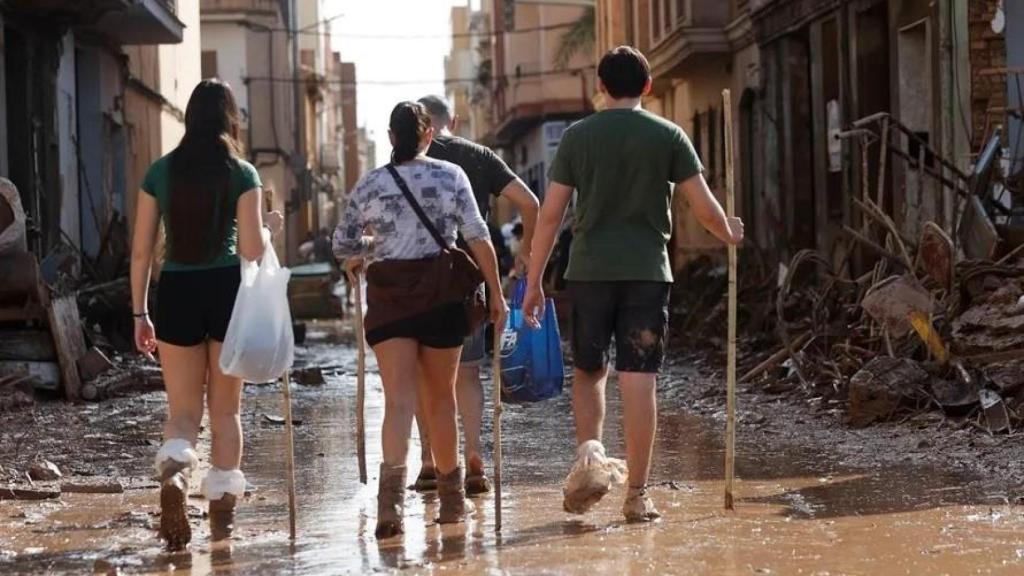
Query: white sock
[(219, 482), (179, 450)]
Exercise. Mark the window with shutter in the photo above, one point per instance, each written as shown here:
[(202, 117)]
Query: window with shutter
[(208, 64)]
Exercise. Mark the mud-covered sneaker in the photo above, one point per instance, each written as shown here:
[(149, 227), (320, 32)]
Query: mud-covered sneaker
[(592, 476), (174, 525), (638, 506)]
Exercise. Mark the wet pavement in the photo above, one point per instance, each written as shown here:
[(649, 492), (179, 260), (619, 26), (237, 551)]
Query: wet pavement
[(801, 509)]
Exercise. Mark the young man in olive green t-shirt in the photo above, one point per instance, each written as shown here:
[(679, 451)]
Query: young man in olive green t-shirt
[(625, 163)]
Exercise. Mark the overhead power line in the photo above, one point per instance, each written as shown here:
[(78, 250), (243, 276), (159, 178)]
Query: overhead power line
[(544, 73), (343, 35)]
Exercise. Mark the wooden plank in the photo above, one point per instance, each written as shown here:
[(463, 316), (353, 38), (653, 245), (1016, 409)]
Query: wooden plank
[(69, 341), (47, 373), (28, 312), (26, 345)]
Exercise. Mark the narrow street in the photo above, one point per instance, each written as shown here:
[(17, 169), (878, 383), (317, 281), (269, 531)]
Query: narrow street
[(839, 502)]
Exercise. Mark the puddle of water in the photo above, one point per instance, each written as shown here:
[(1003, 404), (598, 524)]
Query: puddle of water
[(799, 511)]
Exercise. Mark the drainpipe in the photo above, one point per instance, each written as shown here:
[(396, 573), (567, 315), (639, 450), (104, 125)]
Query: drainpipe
[(298, 158)]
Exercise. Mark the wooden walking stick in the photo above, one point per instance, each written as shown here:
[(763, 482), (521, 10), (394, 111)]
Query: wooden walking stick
[(496, 369), (730, 369), (290, 459), (357, 281)]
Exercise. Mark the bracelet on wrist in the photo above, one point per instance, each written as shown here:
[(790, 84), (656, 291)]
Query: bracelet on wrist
[(141, 315)]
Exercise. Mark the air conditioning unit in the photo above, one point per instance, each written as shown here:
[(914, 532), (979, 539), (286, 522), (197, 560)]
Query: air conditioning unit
[(330, 157)]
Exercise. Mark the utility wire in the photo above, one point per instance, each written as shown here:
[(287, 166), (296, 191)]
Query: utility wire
[(566, 72), (343, 35)]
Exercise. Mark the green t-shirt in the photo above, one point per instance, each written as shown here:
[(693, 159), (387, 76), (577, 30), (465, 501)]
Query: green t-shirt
[(623, 164), (244, 177)]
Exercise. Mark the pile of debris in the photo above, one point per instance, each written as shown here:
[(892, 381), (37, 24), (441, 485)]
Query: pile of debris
[(930, 324), (45, 347)]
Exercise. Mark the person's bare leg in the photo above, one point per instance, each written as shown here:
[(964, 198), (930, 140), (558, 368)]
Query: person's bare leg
[(224, 484), (437, 387), (470, 395), (639, 422), (397, 359), (439, 366), (224, 402), (588, 404), (427, 479), (639, 419), (399, 371), (184, 371)]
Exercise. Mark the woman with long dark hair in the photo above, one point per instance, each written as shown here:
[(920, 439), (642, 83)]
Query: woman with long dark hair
[(209, 200), (412, 207)]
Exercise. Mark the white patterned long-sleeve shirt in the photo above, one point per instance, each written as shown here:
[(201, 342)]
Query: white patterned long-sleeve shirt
[(378, 205)]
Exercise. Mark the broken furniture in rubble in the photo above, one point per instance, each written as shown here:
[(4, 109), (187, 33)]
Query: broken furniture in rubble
[(923, 327), (41, 339)]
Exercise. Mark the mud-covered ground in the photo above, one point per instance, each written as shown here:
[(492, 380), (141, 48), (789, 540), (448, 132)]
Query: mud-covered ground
[(920, 496)]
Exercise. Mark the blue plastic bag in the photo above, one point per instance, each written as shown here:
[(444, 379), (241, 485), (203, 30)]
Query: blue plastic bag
[(532, 368)]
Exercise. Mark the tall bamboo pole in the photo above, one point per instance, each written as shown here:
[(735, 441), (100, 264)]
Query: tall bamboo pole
[(730, 369), (290, 454), (496, 370), (357, 284)]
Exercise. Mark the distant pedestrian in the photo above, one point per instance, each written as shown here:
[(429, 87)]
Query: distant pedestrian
[(490, 178), (307, 247), (620, 161), (417, 339), (322, 247), (208, 198)]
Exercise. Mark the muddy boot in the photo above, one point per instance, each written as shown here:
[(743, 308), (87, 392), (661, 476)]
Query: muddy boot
[(174, 463), (222, 517), (390, 501), (223, 489), (452, 494), (638, 506), (426, 481), (477, 482)]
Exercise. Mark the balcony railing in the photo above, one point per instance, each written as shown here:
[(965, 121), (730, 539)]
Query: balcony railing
[(144, 22), (684, 30), (260, 6)]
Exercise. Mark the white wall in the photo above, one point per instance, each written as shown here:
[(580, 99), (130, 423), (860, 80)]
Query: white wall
[(180, 71), (310, 14), (229, 41)]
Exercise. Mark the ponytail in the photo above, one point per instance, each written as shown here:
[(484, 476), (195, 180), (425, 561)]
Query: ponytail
[(409, 122)]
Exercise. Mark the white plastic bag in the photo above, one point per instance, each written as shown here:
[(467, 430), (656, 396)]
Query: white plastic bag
[(259, 345)]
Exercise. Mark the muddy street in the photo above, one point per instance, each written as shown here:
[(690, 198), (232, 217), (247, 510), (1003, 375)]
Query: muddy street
[(803, 507)]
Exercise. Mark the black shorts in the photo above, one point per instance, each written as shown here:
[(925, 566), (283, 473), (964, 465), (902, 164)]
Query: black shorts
[(636, 313), (443, 327), (193, 306)]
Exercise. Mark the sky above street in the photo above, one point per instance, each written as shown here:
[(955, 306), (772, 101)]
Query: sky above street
[(398, 47)]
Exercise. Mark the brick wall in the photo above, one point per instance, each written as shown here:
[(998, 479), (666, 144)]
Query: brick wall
[(987, 51)]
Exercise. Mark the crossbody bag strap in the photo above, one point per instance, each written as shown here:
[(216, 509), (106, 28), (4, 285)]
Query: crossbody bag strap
[(417, 208)]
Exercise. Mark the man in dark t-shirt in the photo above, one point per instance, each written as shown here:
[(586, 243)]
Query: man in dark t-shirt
[(490, 178)]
